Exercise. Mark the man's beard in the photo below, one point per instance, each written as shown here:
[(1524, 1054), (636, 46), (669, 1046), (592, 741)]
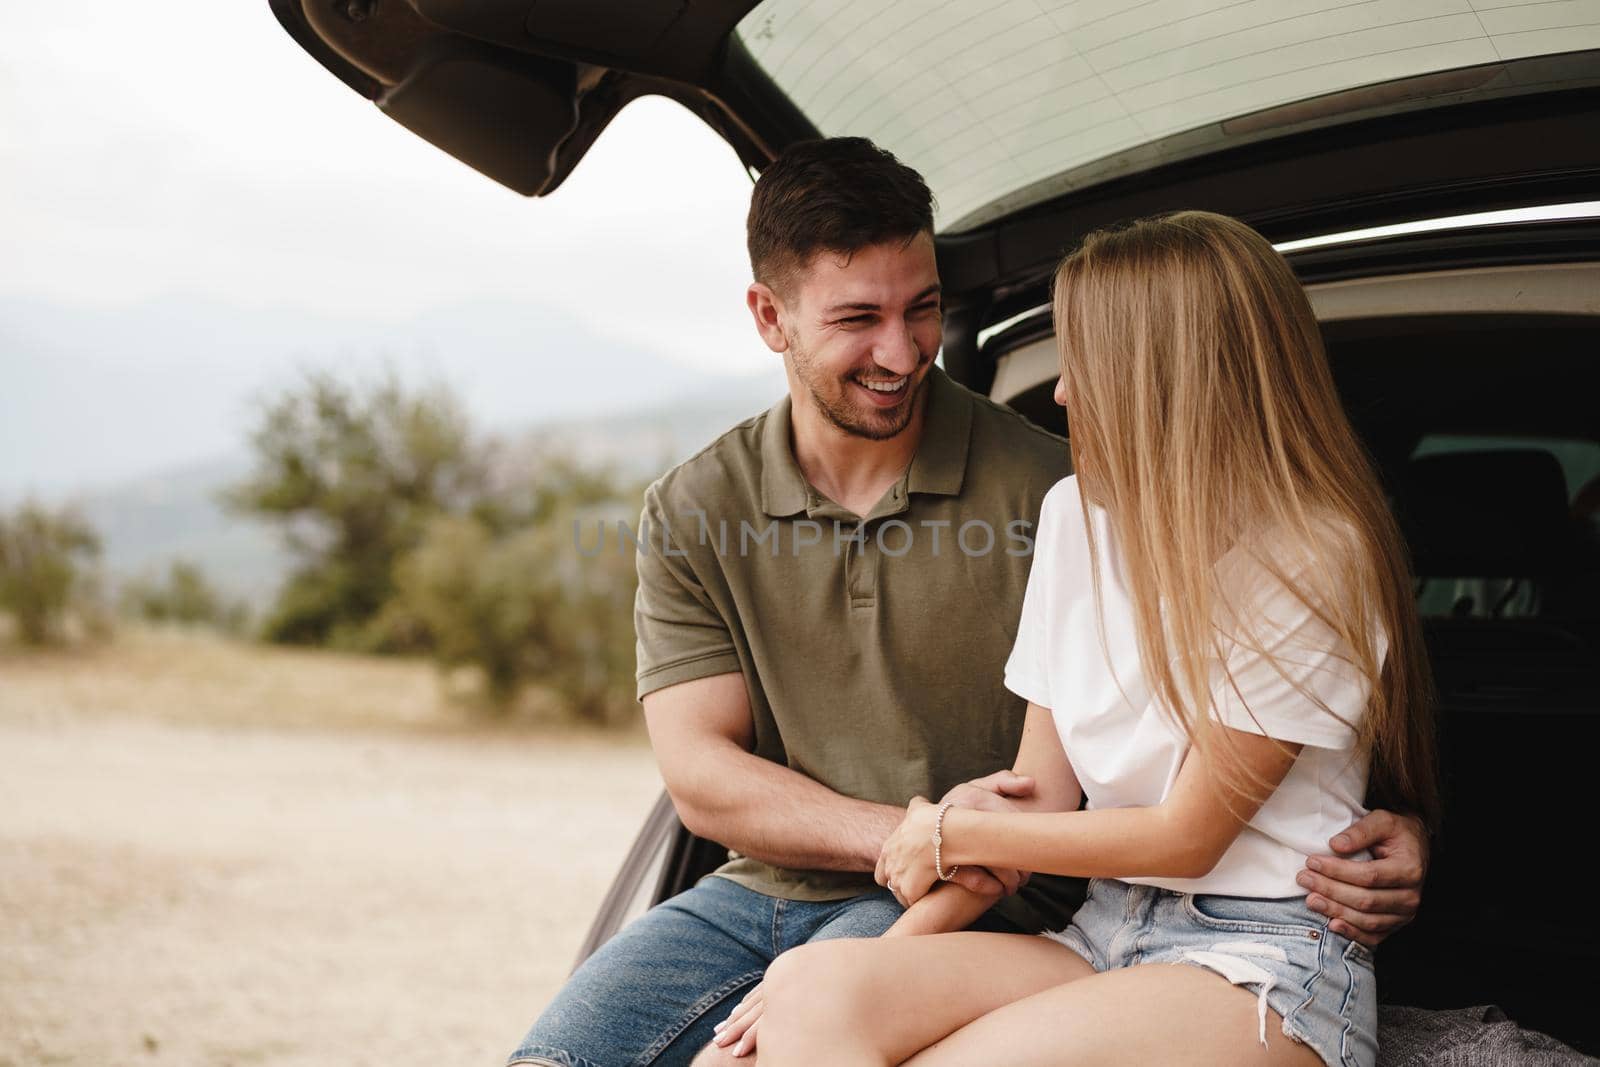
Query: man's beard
[(858, 420)]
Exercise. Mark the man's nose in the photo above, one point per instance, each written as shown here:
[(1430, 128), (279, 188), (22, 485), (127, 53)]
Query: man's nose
[(897, 350)]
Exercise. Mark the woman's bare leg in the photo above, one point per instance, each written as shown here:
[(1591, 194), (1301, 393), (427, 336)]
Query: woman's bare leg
[(876, 1002), (1154, 1013)]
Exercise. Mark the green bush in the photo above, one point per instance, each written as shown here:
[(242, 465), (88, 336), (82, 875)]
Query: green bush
[(45, 571), (523, 607), (184, 595), (414, 535), (353, 475)]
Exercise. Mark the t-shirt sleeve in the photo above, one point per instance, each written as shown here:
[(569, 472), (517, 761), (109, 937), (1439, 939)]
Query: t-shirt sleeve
[(1292, 678), (1027, 672), (680, 633)]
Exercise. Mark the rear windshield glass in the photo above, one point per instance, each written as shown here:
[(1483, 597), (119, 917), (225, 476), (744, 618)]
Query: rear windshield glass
[(997, 102)]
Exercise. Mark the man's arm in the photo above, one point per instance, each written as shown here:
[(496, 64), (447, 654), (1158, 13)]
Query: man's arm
[(702, 733)]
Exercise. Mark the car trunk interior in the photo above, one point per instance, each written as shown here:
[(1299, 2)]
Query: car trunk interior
[(1487, 431)]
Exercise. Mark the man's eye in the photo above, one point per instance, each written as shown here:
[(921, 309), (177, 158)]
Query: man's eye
[(924, 310), (856, 320)]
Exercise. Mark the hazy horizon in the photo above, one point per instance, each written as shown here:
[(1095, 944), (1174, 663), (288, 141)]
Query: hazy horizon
[(117, 394)]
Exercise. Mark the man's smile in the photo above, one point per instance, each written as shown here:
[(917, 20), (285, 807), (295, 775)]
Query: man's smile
[(885, 392)]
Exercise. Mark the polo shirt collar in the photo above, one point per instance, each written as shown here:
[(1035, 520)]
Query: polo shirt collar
[(783, 487), (939, 466)]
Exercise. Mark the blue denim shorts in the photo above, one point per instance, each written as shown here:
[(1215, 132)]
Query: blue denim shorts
[(1322, 984)]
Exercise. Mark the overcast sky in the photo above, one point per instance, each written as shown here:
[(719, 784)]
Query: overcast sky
[(188, 153)]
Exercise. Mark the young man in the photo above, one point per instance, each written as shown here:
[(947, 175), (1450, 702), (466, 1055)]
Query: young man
[(829, 597)]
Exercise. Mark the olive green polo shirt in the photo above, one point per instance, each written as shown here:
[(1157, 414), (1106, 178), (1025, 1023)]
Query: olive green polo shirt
[(872, 648)]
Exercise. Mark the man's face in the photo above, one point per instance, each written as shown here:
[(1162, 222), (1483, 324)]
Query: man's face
[(862, 331)]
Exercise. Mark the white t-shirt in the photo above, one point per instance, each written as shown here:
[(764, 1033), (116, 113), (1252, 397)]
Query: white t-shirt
[(1126, 752)]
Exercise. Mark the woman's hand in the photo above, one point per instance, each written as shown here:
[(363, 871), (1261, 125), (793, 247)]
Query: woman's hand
[(737, 1033), (905, 865)]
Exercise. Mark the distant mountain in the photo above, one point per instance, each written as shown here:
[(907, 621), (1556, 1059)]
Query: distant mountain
[(645, 442), (97, 396), (147, 523)]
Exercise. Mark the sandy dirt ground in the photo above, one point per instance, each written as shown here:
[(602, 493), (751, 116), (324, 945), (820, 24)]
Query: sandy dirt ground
[(217, 854)]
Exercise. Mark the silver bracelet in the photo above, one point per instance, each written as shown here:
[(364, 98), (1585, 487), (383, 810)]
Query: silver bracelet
[(938, 845)]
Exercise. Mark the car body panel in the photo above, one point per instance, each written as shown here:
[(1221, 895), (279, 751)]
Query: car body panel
[(521, 89)]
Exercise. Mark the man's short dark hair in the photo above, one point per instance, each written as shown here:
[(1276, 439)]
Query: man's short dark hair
[(841, 194)]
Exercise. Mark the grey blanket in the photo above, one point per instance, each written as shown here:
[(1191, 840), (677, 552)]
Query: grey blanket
[(1466, 1037)]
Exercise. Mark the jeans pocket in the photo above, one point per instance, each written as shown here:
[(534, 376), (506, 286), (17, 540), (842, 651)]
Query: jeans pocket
[(1287, 918)]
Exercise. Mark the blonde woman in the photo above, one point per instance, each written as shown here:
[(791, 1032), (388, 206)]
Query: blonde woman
[(1218, 647)]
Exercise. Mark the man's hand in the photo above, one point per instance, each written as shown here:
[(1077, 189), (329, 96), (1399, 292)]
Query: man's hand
[(993, 792), (996, 885), (1367, 900)]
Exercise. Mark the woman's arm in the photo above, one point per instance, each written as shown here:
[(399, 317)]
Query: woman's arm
[(1182, 837), (1040, 760), (1041, 757)]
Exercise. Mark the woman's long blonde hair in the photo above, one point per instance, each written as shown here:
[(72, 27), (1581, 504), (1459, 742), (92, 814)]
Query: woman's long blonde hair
[(1204, 419)]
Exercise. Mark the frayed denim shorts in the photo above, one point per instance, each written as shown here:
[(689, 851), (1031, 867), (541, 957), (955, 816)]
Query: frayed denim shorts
[(1321, 983)]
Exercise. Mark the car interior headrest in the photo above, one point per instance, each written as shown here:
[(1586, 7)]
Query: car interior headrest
[(1490, 514)]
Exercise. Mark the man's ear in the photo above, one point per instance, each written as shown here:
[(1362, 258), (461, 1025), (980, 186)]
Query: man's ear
[(766, 307)]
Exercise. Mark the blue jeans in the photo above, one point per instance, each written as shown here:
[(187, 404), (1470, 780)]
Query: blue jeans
[(651, 995)]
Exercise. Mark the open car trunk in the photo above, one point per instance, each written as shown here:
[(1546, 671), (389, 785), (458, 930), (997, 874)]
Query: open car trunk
[(1032, 128), (1038, 122)]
